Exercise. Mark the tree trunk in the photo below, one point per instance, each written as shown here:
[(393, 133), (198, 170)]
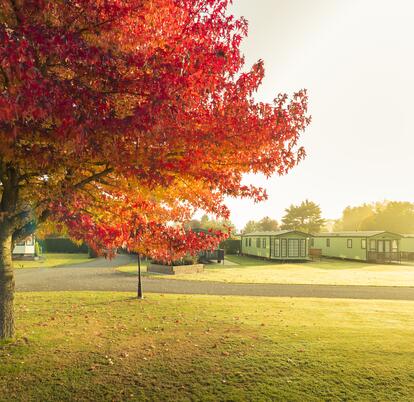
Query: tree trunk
[(6, 288)]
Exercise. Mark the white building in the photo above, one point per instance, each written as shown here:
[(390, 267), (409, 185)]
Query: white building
[(25, 248)]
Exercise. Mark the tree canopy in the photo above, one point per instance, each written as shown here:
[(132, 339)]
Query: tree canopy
[(305, 217), (119, 119), (114, 113), (393, 216), (214, 225), (264, 225)]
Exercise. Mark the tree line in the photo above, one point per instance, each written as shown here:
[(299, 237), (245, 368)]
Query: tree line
[(392, 216)]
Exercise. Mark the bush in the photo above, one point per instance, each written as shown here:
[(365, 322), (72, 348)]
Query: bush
[(62, 245), (187, 260), (38, 249), (231, 246)]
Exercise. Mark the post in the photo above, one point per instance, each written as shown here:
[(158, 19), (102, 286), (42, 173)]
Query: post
[(139, 295)]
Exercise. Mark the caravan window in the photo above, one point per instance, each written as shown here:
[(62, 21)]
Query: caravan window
[(372, 245), (284, 247), (302, 247), (258, 242), (293, 248), (363, 244), (349, 243), (264, 242), (276, 251)]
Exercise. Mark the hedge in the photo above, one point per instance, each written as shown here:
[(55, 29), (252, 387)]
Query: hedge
[(231, 246), (62, 245)]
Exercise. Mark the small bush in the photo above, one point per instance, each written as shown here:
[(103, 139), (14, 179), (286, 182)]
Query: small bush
[(38, 250)]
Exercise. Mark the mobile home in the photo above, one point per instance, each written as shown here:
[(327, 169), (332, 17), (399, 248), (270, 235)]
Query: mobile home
[(280, 245), (407, 247), (25, 249), (372, 246)]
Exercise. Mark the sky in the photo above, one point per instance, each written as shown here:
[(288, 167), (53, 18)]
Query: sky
[(356, 59)]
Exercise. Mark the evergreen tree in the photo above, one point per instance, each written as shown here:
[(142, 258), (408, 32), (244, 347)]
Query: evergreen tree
[(305, 217)]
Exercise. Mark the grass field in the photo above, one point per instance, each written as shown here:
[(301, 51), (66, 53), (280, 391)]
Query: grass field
[(108, 346), (326, 272), (52, 260)]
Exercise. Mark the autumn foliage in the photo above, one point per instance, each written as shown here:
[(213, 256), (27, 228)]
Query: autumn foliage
[(119, 119)]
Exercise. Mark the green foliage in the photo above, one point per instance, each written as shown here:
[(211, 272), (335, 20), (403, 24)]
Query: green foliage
[(187, 260), (305, 217), (231, 246), (393, 216), (62, 245), (353, 218), (266, 224), (208, 223), (38, 249)]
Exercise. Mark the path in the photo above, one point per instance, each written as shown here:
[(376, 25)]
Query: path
[(100, 275)]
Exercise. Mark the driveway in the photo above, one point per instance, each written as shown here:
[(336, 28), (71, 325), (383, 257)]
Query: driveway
[(100, 275)]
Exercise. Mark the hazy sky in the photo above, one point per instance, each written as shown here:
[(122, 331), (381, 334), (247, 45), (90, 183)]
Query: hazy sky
[(356, 58)]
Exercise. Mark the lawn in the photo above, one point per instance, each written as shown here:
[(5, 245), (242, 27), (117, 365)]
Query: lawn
[(51, 260), (325, 272), (109, 346)]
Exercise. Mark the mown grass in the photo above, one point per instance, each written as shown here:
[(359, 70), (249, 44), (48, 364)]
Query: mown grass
[(52, 260), (109, 346), (325, 272)]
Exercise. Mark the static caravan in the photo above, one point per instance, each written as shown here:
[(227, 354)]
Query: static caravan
[(372, 246), (25, 249), (281, 245), (407, 247)]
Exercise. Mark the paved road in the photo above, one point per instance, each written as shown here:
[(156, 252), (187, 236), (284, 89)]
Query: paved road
[(100, 275)]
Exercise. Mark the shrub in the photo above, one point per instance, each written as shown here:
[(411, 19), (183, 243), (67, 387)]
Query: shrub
[(38, 249)]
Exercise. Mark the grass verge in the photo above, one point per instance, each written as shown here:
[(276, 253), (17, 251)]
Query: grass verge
[(52, 260)]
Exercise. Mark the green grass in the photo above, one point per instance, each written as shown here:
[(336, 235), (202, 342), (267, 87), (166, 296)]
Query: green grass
[(51, 260), (109, 346), (325, 272), (247, 261)]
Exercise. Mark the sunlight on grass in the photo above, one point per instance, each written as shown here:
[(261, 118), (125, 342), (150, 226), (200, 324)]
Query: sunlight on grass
[(325, 272), (109, 346), (52, 260)]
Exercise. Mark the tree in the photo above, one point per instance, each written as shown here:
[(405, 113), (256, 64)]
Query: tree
[(266, 224), (353, 218), (305, 217), (120, 119), (394, 216), (222, 225)]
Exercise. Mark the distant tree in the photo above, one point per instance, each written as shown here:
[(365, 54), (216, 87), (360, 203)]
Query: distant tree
[(266, 224), (223, 225), (392, 216), (353, 218), (305, 217), (194, 224), (250, 227)]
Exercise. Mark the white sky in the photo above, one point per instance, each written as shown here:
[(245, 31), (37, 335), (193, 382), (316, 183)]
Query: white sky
[(356, 58)]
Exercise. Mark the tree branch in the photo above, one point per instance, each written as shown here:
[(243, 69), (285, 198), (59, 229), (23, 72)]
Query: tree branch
[(92, 178)]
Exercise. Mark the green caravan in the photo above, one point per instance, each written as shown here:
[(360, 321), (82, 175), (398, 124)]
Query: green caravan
[(280, 245)]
